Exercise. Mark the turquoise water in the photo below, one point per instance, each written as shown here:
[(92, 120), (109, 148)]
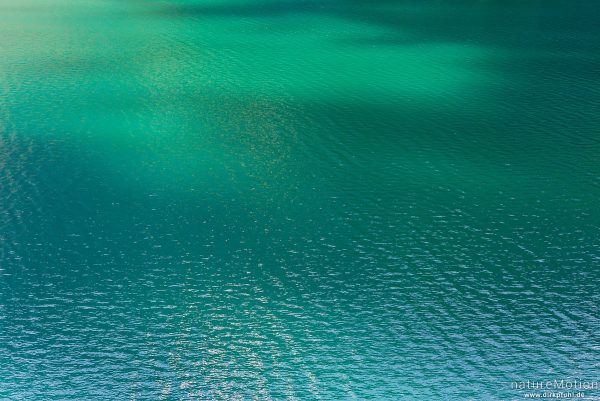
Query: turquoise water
[(298, 200)]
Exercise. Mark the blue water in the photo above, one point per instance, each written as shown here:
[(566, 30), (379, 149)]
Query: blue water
[(298, 200)]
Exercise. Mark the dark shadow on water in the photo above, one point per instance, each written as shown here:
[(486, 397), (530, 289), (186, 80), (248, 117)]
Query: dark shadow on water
[(510, 24)]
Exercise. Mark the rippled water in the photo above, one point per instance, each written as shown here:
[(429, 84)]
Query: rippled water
[(298, 200)]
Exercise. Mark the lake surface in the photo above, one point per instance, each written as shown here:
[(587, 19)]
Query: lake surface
[(298, 200)]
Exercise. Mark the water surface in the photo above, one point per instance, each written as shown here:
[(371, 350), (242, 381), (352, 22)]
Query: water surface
[(297, 200)]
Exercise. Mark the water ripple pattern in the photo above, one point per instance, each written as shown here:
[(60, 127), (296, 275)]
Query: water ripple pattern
[(298, 199)]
